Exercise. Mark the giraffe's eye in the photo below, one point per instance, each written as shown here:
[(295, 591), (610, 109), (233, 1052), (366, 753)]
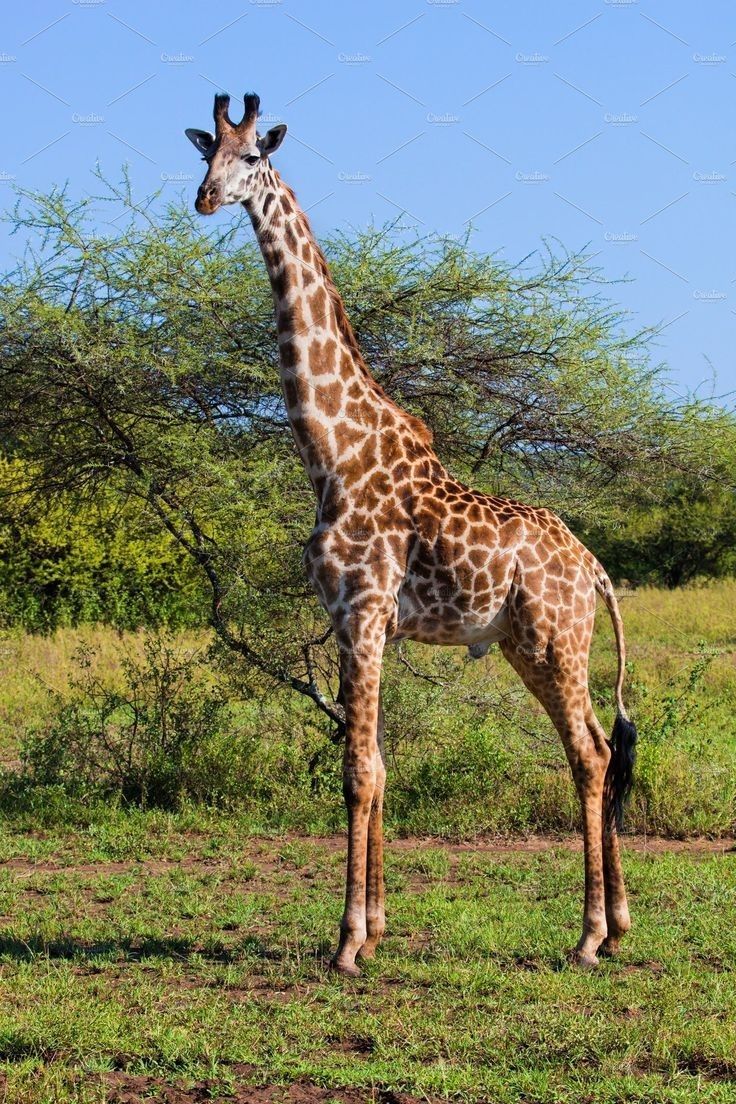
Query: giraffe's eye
[(251, 158)]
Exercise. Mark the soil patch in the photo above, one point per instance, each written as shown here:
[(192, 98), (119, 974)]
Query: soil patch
[(125, 1088), (264, 853), (534, 844)]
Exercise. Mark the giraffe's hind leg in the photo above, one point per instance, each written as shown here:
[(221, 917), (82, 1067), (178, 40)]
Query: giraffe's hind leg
[(617, 909), (564, 695)]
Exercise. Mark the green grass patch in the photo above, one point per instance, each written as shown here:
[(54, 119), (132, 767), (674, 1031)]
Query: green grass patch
[(207, 964)]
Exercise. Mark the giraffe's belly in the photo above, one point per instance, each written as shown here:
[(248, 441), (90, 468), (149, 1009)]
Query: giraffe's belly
[(477, 639), (474, 626), (456, 592)]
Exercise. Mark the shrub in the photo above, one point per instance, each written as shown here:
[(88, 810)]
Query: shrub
[(67, 561), (685, 779), (468, 750), (142, 740)]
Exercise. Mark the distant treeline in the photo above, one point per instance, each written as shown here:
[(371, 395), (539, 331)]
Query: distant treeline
[(64, 563)]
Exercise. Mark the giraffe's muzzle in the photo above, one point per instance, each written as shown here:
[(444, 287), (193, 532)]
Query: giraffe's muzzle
[(208, 199)]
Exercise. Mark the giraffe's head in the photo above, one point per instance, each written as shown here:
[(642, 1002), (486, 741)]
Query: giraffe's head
[(235, 155)]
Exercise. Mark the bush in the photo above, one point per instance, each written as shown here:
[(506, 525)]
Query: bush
[(468, 750), (163, 734), (685, 780), (143, 741), (68, 561)]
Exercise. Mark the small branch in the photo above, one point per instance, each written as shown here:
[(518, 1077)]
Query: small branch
[(401, 655)]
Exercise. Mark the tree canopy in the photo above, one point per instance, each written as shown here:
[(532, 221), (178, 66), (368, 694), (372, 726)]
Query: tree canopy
[(139, 363)]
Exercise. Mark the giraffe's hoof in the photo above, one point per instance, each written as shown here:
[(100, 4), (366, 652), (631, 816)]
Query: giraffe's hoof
[(610, 946), (366, 952), (584, 960), (347, 969)]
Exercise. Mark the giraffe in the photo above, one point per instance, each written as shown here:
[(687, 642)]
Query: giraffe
[(401, 549)]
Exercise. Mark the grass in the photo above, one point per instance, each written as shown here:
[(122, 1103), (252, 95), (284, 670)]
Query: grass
[(475, 756), (200, 959), (141, 949)]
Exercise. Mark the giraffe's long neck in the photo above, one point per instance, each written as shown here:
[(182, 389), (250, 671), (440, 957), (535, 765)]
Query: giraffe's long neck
[(334, 405)]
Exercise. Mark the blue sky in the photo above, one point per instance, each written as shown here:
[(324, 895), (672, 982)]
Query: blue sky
[(606, 123)]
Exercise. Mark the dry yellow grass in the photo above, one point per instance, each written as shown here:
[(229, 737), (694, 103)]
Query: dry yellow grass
[(665, 632)]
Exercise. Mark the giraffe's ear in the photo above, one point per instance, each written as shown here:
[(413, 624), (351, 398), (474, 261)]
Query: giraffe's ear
[(272, 140), (201, 139)]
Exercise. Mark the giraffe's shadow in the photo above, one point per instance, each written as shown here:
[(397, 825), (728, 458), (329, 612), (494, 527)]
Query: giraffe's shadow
[(94, 955), (133, 949)]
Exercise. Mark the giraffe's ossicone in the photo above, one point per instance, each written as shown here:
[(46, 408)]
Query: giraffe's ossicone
[(401, 549)]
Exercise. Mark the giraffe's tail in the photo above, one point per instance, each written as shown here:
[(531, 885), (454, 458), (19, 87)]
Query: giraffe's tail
[(620, 774)]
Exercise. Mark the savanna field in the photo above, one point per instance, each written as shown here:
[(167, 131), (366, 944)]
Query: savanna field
[(319, 323), (176, 949), (173, 826)]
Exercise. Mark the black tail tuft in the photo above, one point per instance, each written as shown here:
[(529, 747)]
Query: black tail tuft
[(620, 769)]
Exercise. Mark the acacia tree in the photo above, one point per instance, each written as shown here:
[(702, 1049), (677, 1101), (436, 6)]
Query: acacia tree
[(141, 357)]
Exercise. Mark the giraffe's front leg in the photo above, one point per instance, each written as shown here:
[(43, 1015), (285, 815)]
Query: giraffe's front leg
[(375, 900), (360, 681)]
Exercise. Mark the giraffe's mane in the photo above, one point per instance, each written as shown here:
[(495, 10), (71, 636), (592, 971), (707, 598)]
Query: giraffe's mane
[(419, 428)]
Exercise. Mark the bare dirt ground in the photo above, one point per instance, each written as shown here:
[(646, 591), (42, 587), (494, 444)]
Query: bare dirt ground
[(125, 1088), (532, 844), (263, 851)]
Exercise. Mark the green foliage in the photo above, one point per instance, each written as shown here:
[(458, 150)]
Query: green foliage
[(65, 562), (689, 533), (158, 731), (685, 773), (139, 373), (152, 741)]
